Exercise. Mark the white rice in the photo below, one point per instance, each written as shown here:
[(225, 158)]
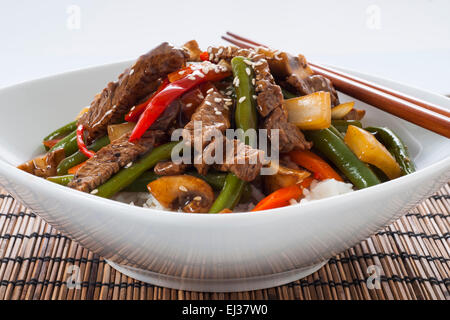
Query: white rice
[(324, 189), (140, 199)]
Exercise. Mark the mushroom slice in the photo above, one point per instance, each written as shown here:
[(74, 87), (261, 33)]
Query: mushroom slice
[(189, 193), (284, 177)]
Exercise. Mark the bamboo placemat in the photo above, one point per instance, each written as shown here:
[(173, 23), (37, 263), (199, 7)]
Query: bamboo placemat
[(413, 255)]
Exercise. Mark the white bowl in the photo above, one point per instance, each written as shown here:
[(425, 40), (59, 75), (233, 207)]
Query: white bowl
[(205, 252)]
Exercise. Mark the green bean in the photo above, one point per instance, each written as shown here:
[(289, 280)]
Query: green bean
[(336, 132), (140, 184), (126, 176), (230, 195), (61, 132), (287, 94), (342, 125), (343, 158), (78, 157), (378, 172), (68, 143), (62, 180), (215, 179), (246, 118), (396, 147)]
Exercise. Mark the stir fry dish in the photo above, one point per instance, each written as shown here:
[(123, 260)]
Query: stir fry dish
[(219, 131)]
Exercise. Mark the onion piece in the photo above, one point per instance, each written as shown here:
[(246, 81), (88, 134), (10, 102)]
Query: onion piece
[(310, 112), (340, 111)]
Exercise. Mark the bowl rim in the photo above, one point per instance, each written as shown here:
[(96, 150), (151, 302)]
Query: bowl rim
[(150, 213)]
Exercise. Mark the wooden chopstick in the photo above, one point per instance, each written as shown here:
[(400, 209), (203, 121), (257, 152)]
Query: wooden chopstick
[(244, 41), (419, 112)]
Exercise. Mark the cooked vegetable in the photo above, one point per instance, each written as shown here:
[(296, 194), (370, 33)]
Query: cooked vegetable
[(78, 157), (135, 112), (62, 180), (126, 176), (140, 184), (190, 193), (61, 132), (50, 143), (332, 147), (336, 132), (230, 195), (283, 178), (179, 74), (310, 112), (283, 196), (342, 125), (83, 111), (287, 94), (173, 90), (68, 143), (340, 111), (246, 118), (115, 131), (368, 149), (80, 142), (396, 147), (75, 169), (312, 162)]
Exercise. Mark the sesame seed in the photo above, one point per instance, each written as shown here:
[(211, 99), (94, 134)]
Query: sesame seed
[(200, 96), (242, 99), (237, 82), (131, 71), (208, 103), (248, 62), (211, 56), (183, 188), (210, 90), (201, 75), (218, 99), (225, 107), (248, 71), (218, 113), (228, 93), (129, 164), (198, 198), (191, 78), (189, 105), (95, 191), (254, 97), (253, 81), (181, 72), (209, 49), (219, 52)]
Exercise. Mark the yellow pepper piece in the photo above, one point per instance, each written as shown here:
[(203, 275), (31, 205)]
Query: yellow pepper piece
[(310, 112), (368, 149), (340, 111), (83, 111)]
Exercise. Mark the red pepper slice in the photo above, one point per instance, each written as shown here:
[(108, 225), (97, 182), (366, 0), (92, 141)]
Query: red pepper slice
[(179, 74), (174, 90), (204, 56), (80, 141), (135, 112)]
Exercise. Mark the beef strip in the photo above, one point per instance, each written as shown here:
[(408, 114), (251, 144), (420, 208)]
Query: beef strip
[(108, 160), (133, 84), (290, 137), (168, 117), (312, 84), (168, 168), (215, 119), (245, 162), (44, 166)]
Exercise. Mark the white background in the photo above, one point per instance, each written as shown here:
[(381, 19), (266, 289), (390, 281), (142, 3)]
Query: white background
[(408, 41)]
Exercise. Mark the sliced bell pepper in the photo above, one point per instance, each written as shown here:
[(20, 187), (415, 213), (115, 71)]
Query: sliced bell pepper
[(135, 112), (204, 56), (312, 162), (310, 112), (282, 197), (368, 149), (80, 141), (179, 74), (171, 92)]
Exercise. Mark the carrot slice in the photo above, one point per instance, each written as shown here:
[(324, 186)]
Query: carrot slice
[(74, 169), (281, 197), (312, 162)]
